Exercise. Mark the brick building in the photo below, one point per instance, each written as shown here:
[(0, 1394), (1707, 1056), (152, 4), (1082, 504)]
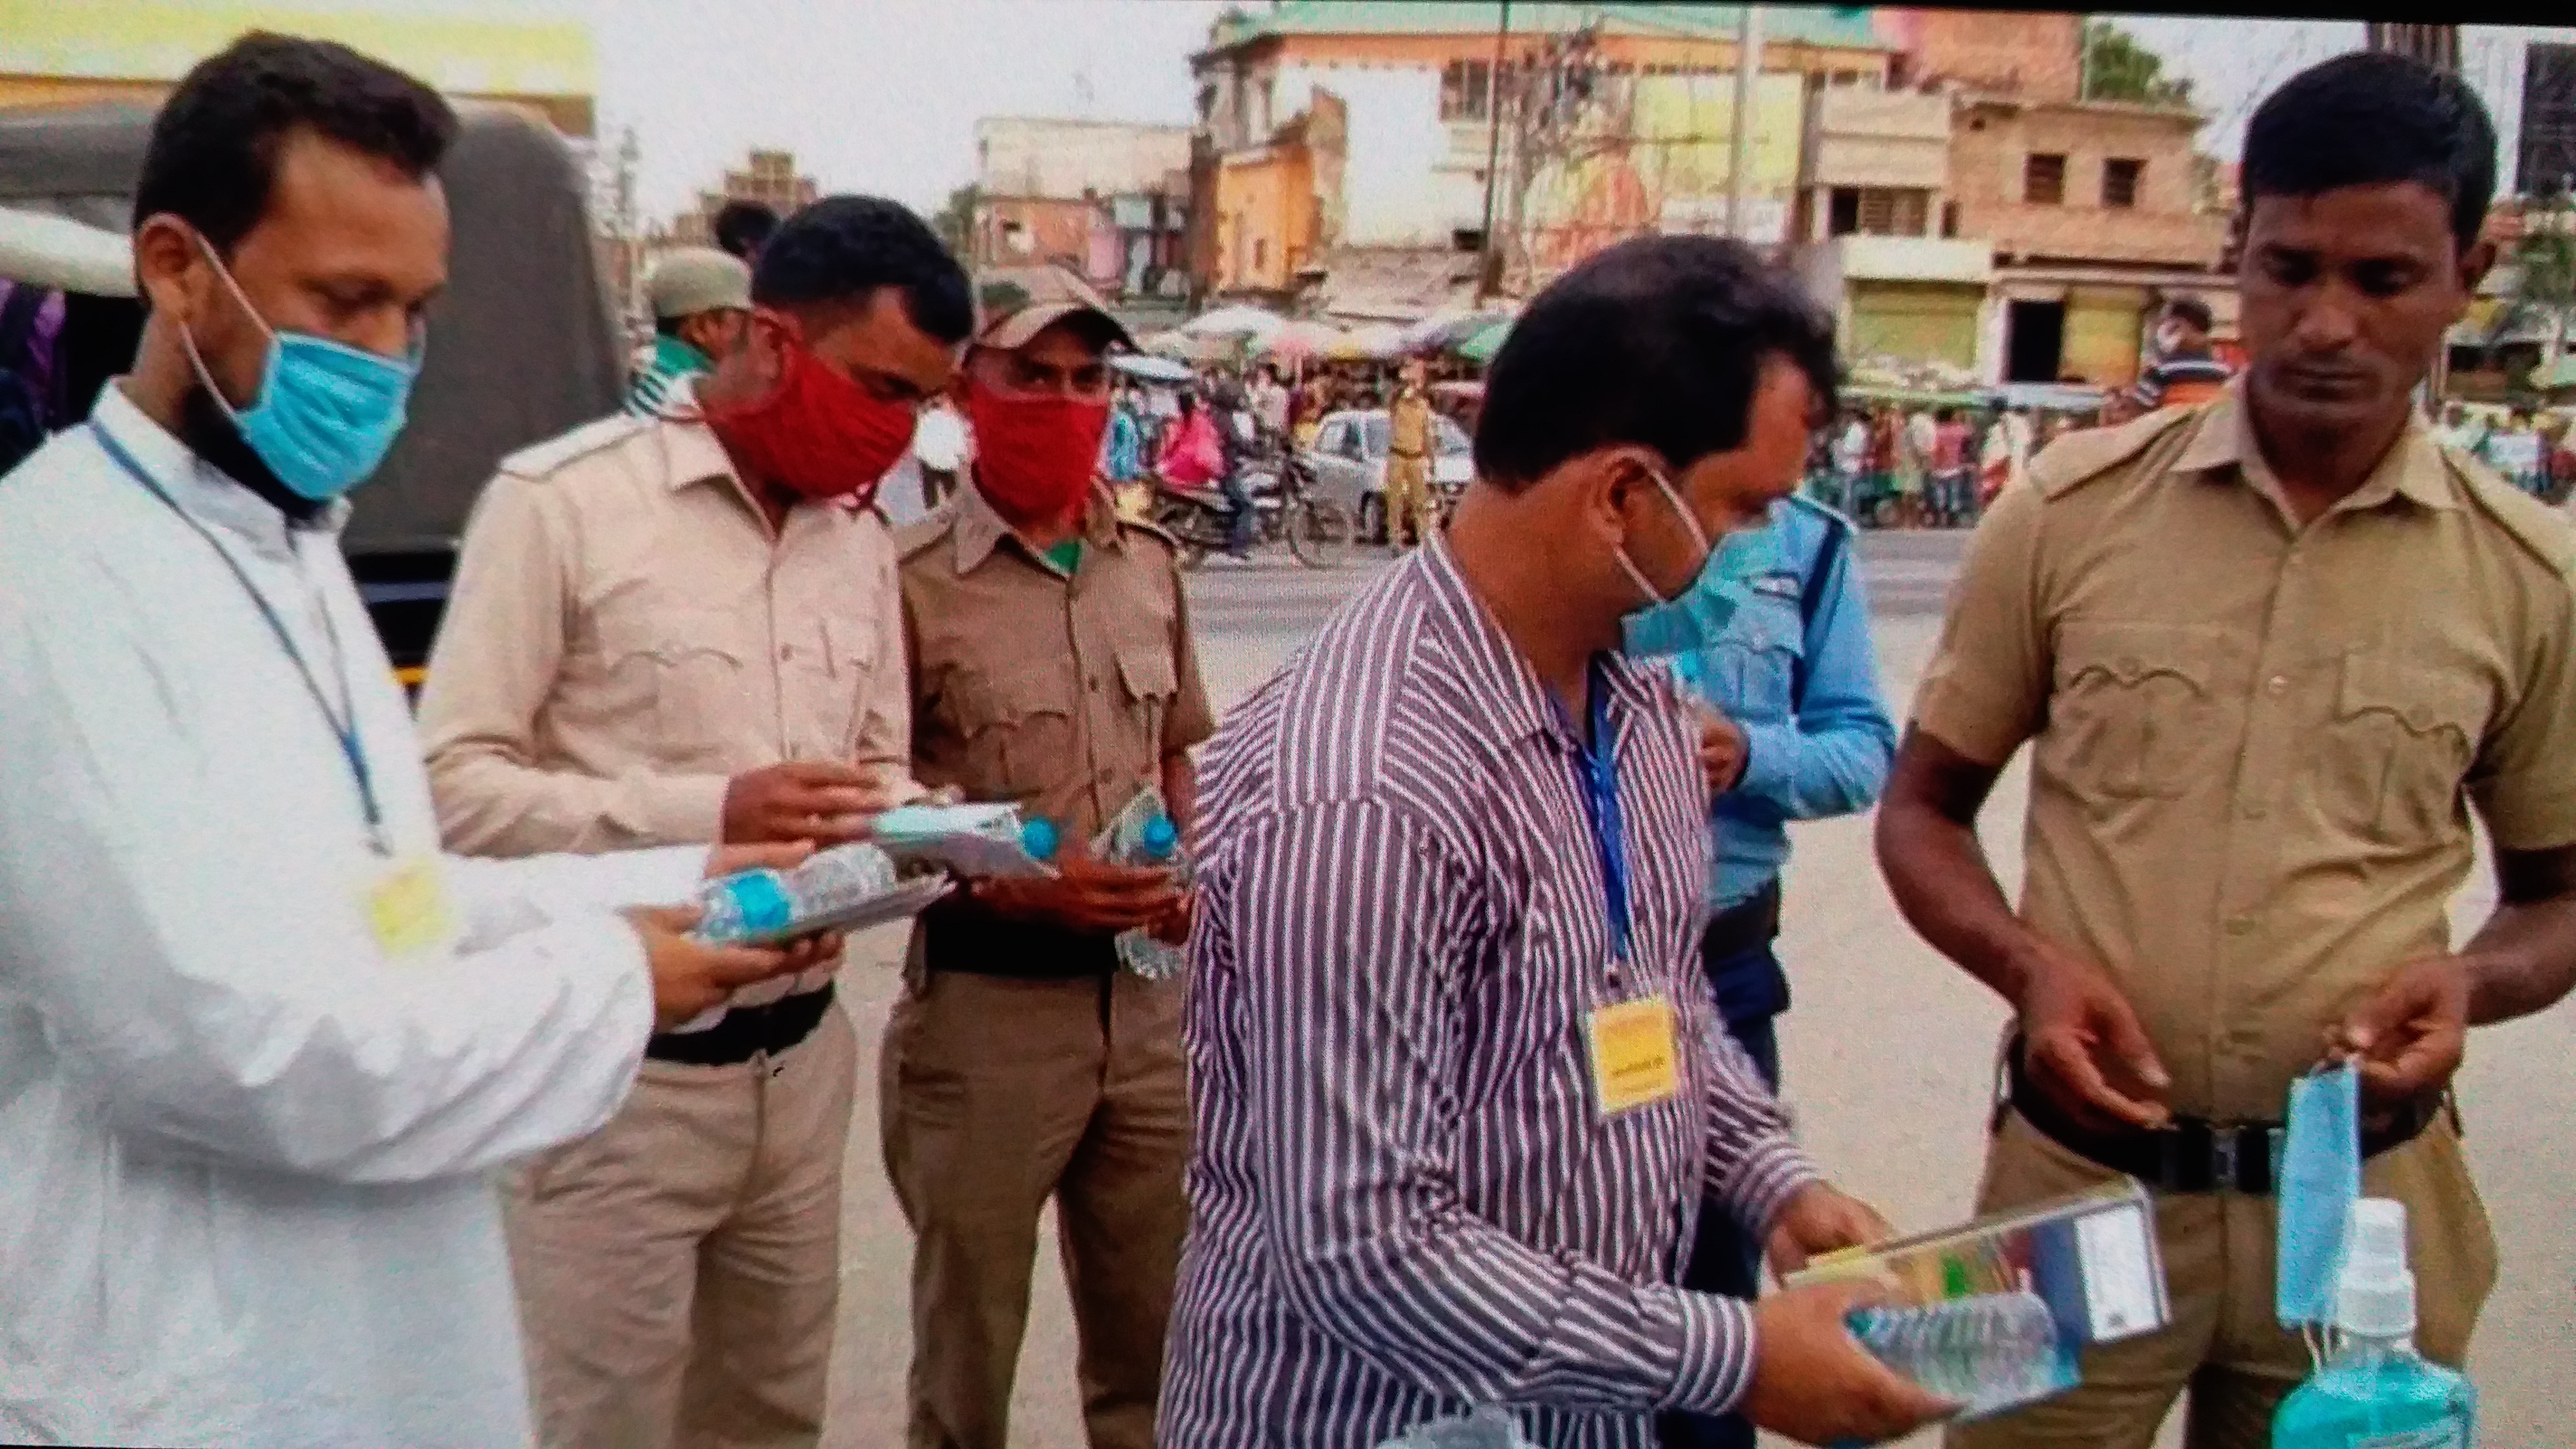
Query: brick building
[(767, 177), (2094, 213), (1105, 199)]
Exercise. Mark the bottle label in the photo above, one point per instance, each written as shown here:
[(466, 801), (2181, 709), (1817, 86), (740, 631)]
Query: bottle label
[(2439, 1436)]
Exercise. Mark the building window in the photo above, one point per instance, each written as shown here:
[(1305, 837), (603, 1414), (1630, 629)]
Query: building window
[(1949, 218), (1877, 211), (1466, 239), (2043, 179), (1466, 91), (2120, 181), (1260, 254)]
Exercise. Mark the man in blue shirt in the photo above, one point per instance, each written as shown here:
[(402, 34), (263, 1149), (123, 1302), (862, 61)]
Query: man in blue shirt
[(1799, 732)]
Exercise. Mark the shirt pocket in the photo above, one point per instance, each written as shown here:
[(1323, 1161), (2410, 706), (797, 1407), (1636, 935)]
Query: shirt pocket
[(1757, 661), (2400, 745), (1018, 728), (1150, 680), (693, 664), (2131, 712), (845, 664)]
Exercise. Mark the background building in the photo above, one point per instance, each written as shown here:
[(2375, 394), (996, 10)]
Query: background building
[(1387, 129), (767, 177), (1107, 199)]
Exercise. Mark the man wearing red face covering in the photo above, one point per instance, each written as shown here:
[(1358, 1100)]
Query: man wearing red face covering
[(1052, 666), (688, 628)]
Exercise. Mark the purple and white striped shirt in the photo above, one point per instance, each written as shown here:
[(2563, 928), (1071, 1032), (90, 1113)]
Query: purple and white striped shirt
[(1404, 1201)]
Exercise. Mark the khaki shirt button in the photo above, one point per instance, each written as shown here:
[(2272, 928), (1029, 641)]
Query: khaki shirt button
[(2277, 684), (2240, 925)]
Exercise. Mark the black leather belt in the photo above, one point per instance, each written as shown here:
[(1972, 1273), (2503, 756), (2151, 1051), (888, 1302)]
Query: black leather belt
[(2194, 1154), (962, 935), (1748, 925), (744, 1032)]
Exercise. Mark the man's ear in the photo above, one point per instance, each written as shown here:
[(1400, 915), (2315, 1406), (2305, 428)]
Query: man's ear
[(166, 257), (2475, 263)]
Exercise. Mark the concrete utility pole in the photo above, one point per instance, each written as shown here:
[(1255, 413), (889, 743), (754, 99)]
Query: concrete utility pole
[(1488, 268), (2436, 45), (1748, 70)]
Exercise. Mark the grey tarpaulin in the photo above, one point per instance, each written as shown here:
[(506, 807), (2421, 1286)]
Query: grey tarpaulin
[(520, 348)]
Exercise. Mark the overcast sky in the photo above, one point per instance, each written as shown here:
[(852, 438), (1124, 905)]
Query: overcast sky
[(883, 95)]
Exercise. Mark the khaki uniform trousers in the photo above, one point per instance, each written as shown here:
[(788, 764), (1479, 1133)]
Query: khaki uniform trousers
[(679, 1269), (2225, 1346), (999, 1094), (1409, 506)]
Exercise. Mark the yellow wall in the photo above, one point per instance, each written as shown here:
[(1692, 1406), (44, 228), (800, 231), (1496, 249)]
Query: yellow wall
[(2102, 334), (1915, 321), (1265, 215), (538, 50)]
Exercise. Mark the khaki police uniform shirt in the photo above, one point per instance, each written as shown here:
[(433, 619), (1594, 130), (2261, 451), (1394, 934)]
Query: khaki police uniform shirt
[(1060, 694), (2254, 743), (1409, 423), (627, 633)]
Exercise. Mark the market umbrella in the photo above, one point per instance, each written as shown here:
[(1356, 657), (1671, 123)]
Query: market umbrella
[(1444, 330), (1240, 320), (1151, 369), (1380, 341), (1299, 340), (1480, 348), (1186, 348)]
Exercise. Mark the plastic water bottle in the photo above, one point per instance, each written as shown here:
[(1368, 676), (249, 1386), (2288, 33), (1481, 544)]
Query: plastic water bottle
[(744, 905), (1986, 1353), (1038, 838), (767, 904), (1144, 835), (2375, 1391)]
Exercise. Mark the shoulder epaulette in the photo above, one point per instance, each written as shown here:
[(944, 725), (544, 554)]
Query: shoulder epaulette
[(541, 460), (2543, 531), (916, 537), (2080, 457)]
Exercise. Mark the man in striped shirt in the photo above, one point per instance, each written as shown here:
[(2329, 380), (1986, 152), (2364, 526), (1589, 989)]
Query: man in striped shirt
[(2185, 374), (1460, 1094)]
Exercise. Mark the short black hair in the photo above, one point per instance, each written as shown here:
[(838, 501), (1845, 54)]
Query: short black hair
[(1658, 341), (742, 228), (2193, 311), (212, 159), (844, 249), (2373, 118)]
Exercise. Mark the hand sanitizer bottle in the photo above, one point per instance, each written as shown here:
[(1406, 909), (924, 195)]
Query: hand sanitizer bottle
[(2375, 1391)]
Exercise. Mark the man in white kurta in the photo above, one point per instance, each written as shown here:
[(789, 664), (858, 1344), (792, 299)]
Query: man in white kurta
[(252, 1077)]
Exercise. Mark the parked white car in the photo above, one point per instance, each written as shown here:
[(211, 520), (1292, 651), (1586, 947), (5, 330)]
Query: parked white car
[(1349, 462)]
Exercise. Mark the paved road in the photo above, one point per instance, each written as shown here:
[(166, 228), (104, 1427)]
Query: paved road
[(1887, 1057)]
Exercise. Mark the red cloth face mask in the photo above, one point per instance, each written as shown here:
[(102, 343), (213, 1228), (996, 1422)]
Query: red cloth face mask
[(1034, 456), (817, 432)]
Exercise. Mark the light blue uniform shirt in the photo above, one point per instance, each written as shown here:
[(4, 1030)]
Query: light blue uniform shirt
[(1829, 754)]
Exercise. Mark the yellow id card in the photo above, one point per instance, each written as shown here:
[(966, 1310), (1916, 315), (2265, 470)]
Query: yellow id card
[(1633, 1062), (407, 908)]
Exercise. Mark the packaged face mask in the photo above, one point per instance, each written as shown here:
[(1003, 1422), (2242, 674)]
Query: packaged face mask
[(2317, 1181)]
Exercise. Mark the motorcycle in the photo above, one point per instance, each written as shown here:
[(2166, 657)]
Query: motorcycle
[(1284, 509)]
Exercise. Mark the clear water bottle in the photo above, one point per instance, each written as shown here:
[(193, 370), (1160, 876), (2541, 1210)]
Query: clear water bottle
[(839, 879), (1489, 1427), (1986, 1353), (744, 906), (1144, 835)]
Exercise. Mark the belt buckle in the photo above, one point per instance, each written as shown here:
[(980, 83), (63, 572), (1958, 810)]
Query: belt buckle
[(2222, 1157)]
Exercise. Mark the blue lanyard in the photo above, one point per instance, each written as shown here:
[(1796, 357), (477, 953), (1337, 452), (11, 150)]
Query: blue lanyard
[(345, 731), (1598, 767)]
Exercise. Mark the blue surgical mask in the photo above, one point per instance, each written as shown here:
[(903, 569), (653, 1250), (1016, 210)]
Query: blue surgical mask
[(2317, 1181), (326, 413), (1696, 617)]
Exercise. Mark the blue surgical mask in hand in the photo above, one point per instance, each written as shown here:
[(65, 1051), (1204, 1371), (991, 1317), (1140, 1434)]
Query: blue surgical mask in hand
[(2318, 1179)]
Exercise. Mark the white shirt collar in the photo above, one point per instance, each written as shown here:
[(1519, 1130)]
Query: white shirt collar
[(205, 492)]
